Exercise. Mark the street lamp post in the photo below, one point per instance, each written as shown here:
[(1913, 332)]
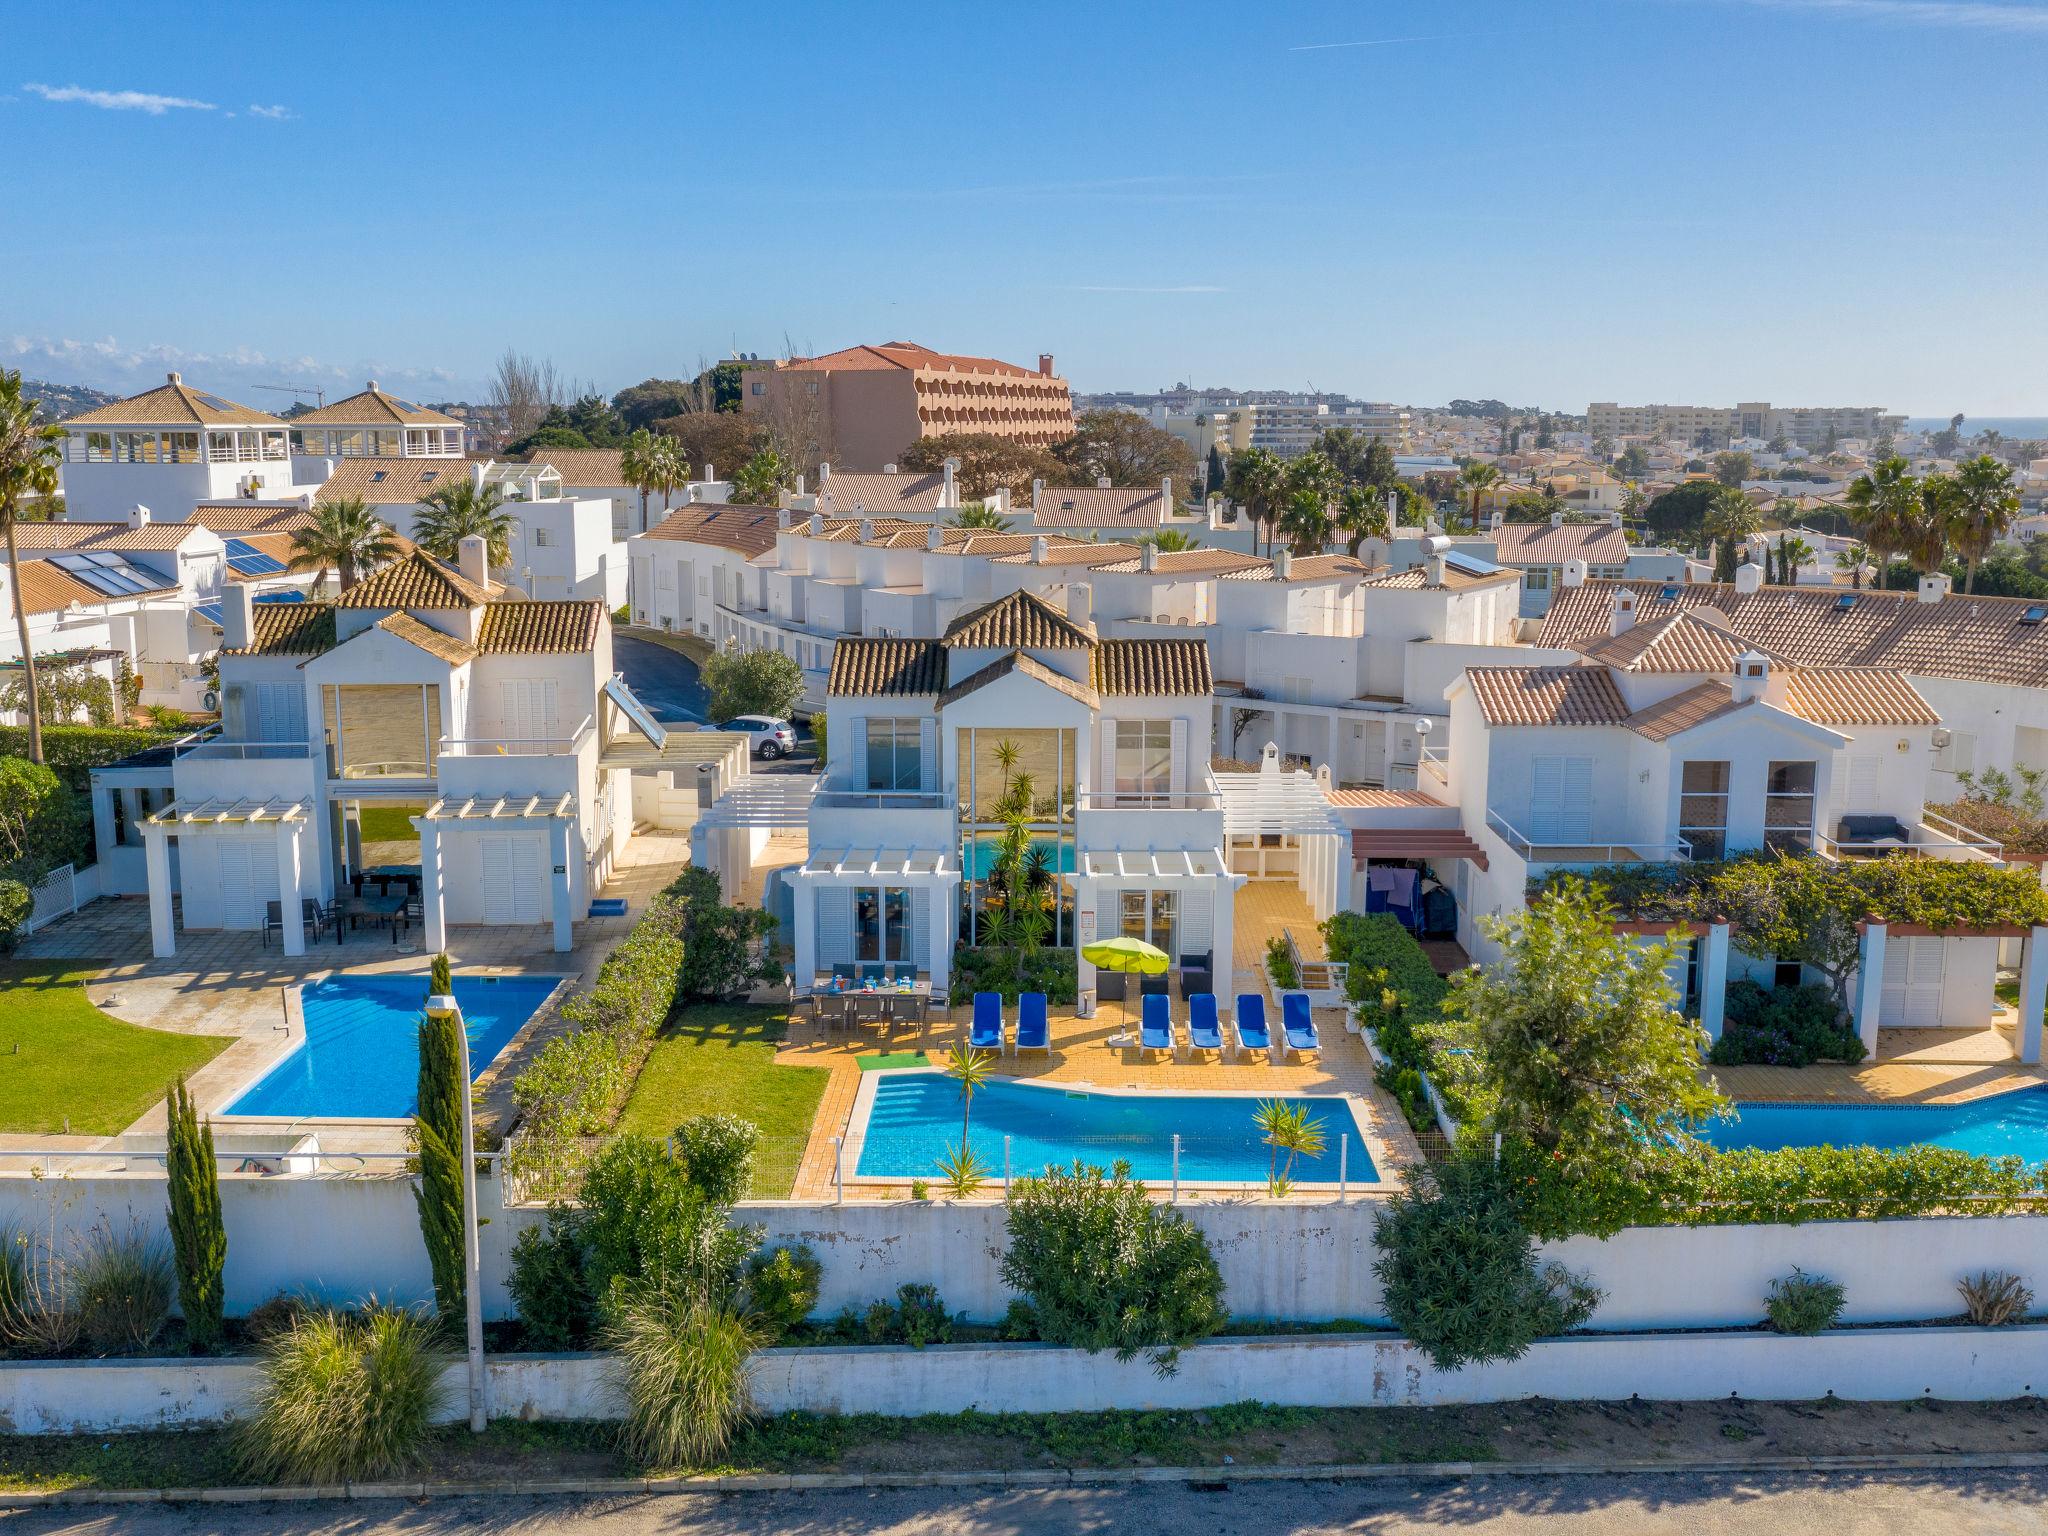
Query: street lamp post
[(472, 1246)]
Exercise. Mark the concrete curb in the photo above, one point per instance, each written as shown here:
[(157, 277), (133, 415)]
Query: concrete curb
[(1077, 1477)]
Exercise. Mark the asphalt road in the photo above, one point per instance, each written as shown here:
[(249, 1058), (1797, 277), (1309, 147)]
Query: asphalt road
[(1925, 1504), (666, 681)]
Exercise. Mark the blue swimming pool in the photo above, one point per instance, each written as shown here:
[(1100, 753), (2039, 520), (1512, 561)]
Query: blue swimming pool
[(2005, 1124), (983, 847), (915, 1120), (360, 1058)]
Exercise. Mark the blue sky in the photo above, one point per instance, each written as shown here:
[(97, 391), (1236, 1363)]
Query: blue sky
[(1808, 201)]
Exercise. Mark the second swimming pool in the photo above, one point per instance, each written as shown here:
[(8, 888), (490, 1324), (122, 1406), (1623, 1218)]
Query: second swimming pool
[(2003, 1124), (914, 1120)]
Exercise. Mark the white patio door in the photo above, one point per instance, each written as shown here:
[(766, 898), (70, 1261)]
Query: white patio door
[(512, 877), (248, 877), (1560, 799), (1913, 973)]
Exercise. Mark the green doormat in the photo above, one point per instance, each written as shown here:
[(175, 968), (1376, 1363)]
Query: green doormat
[(893, 1059)]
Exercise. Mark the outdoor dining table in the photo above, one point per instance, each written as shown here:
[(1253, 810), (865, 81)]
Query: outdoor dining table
[(919, 992), (378, 909), (388, 874)]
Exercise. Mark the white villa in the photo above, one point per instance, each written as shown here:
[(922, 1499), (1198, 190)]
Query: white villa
[(171, 447)]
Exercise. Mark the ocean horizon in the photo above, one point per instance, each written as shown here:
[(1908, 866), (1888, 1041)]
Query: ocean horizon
[(2007, 426)]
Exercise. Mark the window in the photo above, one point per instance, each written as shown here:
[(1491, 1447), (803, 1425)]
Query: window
[(1787, 973), (135, 447), (1150, 916), (181, 448), (1536, 581), (542, 538), (1703, 809), (881, 922), (1788, 807), (1144, 757), (894, 761), (757, 388)]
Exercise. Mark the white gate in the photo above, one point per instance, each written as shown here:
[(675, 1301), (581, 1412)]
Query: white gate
[(56, 895)]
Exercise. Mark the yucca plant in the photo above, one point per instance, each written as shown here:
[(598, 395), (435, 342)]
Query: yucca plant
[(685, 1363), (346, 1397), (1289, 1129), (1995, 1298)]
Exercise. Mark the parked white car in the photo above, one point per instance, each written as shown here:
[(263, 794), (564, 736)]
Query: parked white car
[(766, 736)]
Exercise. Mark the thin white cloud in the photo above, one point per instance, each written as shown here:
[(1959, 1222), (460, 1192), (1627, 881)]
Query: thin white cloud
[(110, 364), (1964, 15), (276, 114), (1145, 288), (119, 101)]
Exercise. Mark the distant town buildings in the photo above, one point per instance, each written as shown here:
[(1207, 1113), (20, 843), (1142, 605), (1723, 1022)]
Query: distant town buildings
[(1807, 426), (1233, 420), (863, 406)]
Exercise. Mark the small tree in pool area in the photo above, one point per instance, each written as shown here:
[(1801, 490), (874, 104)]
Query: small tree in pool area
[(437, 1126), (970, 1069)]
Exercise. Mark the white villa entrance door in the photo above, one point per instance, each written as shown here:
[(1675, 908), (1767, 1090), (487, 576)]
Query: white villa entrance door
[(248, 877), (512, 877), (1560, 799), (1913, 972)]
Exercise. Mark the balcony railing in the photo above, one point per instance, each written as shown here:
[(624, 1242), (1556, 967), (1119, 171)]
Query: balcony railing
[(248, 751), (1587, 850), (1932, 837), (1435, 765), (1151, 800), (879, 799), (396, 769), (518, 746)]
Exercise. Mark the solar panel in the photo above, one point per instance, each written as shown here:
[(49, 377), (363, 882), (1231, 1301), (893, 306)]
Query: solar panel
[(280, 597), (213, 400), (109, 575), (1668, 594), (405, 405), (212, 614), (1471, 565), (247, 560), (1845, 602)]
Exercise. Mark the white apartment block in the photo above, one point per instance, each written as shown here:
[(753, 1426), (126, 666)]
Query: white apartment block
[(1807, 426), (1289, 428)]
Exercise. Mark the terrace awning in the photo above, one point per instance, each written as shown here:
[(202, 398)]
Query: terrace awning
[(1152, 864), (878, 864), (503, 808), (216, 812), (1414, 843)]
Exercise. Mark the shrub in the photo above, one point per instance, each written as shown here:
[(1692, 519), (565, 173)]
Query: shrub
[(1055, 972), (1106, 1268), (644, 1221), (1020, 1322), (41, 1313), (198, 1234), (782, 1285), (1394, 987), (17, 904), (124, 1283), (548, 1286), (73, 751), (880, 1324), (685, 1363), (1995, 1298), (40, 823), (281, 1314), (1802, 1303), (921, 1316), (1459, 1269), (346, 1397), (1280, 962), (717, 1154), (1783, 1027)]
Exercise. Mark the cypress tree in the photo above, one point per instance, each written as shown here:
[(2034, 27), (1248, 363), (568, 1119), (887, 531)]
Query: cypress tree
[(1215, 481), (438, 1128), (199, 1237)]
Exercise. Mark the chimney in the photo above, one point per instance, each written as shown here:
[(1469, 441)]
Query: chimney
[(824, 474), (1496, 520), (473, 559), (1574, 573), (1040, 548), (1045, 365), (888, 469), (1037, 490), (1623, 618), (782, 518), (1148, 556), (1933, 587), (1752, 675), (1283, 565), (175, 378), (710, 471), (1102, 482), (935, 537), (1080, 602), (1748, 577), (817, 524), (1166, 494), (1557, 519), (1614, 518), (237, 616), (138, 516), (867, 530), (799, 486), (823, 510), (950, 496)]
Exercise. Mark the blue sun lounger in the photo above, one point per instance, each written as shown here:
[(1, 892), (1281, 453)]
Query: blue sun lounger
[(1155, 1028), (1203, 1031), (1248, 1030), (1297, 1023), (1033, 1032), (986, 1033)]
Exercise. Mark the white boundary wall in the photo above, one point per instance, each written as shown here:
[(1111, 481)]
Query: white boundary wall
[(1902, 1364), (346, 1238)]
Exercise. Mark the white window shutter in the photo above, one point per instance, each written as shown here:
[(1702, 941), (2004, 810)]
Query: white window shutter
[(928, 756), (1182, 770)]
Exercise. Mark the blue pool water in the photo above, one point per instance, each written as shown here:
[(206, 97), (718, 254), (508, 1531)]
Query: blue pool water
[(916, 1120), (2005, 1124), (983, 848), (361, 1057)]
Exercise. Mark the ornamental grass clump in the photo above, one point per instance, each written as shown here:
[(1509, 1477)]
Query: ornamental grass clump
[(346, 1397), (685, 1361), (1803, 1304), (123, 1283)]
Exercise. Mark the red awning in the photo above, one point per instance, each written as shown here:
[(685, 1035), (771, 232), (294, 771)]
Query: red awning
[(1414, 843)]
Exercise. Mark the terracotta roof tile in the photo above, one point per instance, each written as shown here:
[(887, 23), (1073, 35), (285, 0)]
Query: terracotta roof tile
[(1682, 711), (1082, 553), (1018, 662), (905, 355), (1856, 696), (1021, 619), (1092, 506), (1541, 544), (372, 407), (873, 668), (390, 481), (427, 638), (745, 530), (539, 628), (46, 589), (1547, 696), (1192, 563), (239, 517), (289, 629), (1305, 568), (880, 494), (1679, 642), (1152, 666), (582, 466), (174, 404), (416, 581), (1416, 579)]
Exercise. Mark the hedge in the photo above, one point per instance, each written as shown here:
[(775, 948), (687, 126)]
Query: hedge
[(73, 751), (1394, 987)]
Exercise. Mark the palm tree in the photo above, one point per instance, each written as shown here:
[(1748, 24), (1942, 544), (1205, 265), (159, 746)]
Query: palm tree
[(29, 451), (1257, 482), (1985, 507), (347, 535), (1853, 560), (1306, 522), (1731, 518), (971, 1069), (761, 479), (461, 510), (667, 468), (1477, 477), (1793, 552), (1362, 515), (979, 514), (1171, 541), (1286, 1127), (1927, 533), (1633, 500), (637, 465), (1883, 506)]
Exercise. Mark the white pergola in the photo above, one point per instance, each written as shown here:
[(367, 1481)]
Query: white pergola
[(554, 814), (932, 869), (1100, 869), (286, 817)]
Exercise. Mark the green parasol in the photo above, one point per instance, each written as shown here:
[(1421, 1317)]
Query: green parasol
[(1134, 956)]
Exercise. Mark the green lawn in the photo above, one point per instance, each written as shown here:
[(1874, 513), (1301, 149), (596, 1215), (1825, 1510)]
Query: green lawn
[(61, 1058), (720, 1058), (390, 824)]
